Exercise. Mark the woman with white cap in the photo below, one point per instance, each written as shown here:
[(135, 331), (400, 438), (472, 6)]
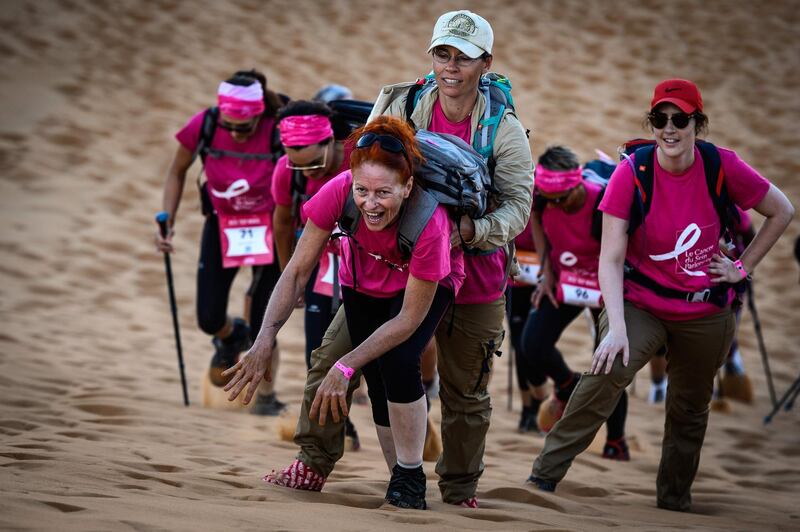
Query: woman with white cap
[(236, 142), (667, 283)]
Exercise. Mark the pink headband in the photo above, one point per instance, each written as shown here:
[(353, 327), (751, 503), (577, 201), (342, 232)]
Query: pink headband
[(555, 181), (240, 102), (304, 130)]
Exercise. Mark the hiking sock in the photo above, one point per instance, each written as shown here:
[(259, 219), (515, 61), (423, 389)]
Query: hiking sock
[(615, 425)]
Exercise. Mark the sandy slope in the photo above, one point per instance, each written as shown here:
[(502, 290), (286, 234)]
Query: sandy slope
[(94, 433)]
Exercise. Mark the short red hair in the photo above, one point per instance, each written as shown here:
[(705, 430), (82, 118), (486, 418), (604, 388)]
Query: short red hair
[(393, 127)]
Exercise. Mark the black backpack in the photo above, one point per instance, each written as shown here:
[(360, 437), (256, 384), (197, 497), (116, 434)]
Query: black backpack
[(452, 174), (644, 152)]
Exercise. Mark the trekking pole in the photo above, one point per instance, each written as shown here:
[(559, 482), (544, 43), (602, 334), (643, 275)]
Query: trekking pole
[(510, 378), (787, 401), (161, 219), (751, 304)]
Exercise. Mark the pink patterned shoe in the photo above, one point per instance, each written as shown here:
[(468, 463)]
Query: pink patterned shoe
[(297, 476), (472, 502)]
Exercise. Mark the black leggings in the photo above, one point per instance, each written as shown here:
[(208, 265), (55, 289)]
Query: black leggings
[(395, 376), (543, 359), (214, 284), (518, 306), (318, 314)]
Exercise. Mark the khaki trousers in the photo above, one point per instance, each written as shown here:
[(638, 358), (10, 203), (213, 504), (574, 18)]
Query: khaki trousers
[(695, 351)]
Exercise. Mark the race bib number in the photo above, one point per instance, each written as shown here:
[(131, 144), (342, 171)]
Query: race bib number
[(323, 284), (246, 239), (528, 266), (579, 290)]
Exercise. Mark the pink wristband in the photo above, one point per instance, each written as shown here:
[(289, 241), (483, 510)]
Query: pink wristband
[(348, 372), (740, 267)]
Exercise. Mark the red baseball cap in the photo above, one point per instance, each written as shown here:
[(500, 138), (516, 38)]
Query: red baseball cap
[(680, 92)]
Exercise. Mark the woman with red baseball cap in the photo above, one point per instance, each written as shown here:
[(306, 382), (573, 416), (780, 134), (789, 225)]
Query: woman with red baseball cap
[(666, 283)]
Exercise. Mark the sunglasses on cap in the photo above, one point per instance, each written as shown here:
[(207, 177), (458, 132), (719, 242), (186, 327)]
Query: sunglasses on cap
[(386, 142), (316, 164), (246, 127), (659, 120)]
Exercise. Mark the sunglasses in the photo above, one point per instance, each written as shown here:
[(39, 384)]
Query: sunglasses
[(247, 127), (679, 120), (441, 56), (386, 142), (320, 162), (559, 199)]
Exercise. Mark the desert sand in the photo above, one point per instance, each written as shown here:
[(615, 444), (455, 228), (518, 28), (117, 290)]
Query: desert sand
[(94, 432)]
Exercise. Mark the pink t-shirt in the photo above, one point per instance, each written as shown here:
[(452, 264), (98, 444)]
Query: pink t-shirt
[(572, 246), (282, 181), (486, 274), (524, 240), (235, 185), (675, 244), (431, 259)]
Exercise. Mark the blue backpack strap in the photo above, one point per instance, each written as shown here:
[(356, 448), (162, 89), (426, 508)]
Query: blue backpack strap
[(498, 98), (421, 87)]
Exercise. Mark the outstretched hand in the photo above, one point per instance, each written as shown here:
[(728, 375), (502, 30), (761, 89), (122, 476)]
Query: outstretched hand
[(331, 395), (607, 351), (249, 370)]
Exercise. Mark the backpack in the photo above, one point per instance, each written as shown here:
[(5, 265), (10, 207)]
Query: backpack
[(644, 152), (452, 174), (496, 88), (348, 115)]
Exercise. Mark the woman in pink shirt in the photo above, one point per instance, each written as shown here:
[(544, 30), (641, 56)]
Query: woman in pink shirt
[(235, 141), (564, 211), (392, 303), (666, 284)]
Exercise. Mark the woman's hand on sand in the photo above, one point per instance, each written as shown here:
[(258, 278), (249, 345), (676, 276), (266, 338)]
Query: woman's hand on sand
[(249, 370), (331, 395), (607, 351)]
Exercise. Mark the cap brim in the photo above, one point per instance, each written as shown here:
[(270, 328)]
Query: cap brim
[(681, 104), (464, 46)]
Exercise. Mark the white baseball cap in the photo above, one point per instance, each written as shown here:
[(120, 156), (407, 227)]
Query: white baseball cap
[(464, 30)]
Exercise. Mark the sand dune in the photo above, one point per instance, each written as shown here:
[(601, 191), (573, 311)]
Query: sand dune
[(94, 433)]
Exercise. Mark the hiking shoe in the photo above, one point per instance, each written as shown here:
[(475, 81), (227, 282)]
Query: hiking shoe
[(472, 502), (617, 450), (550, 413), (527, 420), (227, 350), (267, 405), (407, 488), (297, 476), (350, 432), (544, 485), (658, 392)]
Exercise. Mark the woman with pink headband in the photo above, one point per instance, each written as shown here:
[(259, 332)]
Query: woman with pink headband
[(667, 281), (235, 142), (564, 210)]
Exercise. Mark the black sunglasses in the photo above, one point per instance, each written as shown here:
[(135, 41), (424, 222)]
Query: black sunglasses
[(679, 120), (386, 142), (247, 127), (560, 199)]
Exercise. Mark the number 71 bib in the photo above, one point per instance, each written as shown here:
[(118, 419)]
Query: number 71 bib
[(246, 239)]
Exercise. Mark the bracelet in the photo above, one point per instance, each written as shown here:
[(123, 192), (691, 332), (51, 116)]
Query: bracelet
[(347, 372), (742, 271)]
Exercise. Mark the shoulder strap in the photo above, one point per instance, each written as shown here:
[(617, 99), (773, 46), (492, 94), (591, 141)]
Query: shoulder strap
[(643, 191), (597, 217), (497, 100), (207, 131), (418, 210), (298, 190), (348, 221), (715, 180), (415, 92)]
